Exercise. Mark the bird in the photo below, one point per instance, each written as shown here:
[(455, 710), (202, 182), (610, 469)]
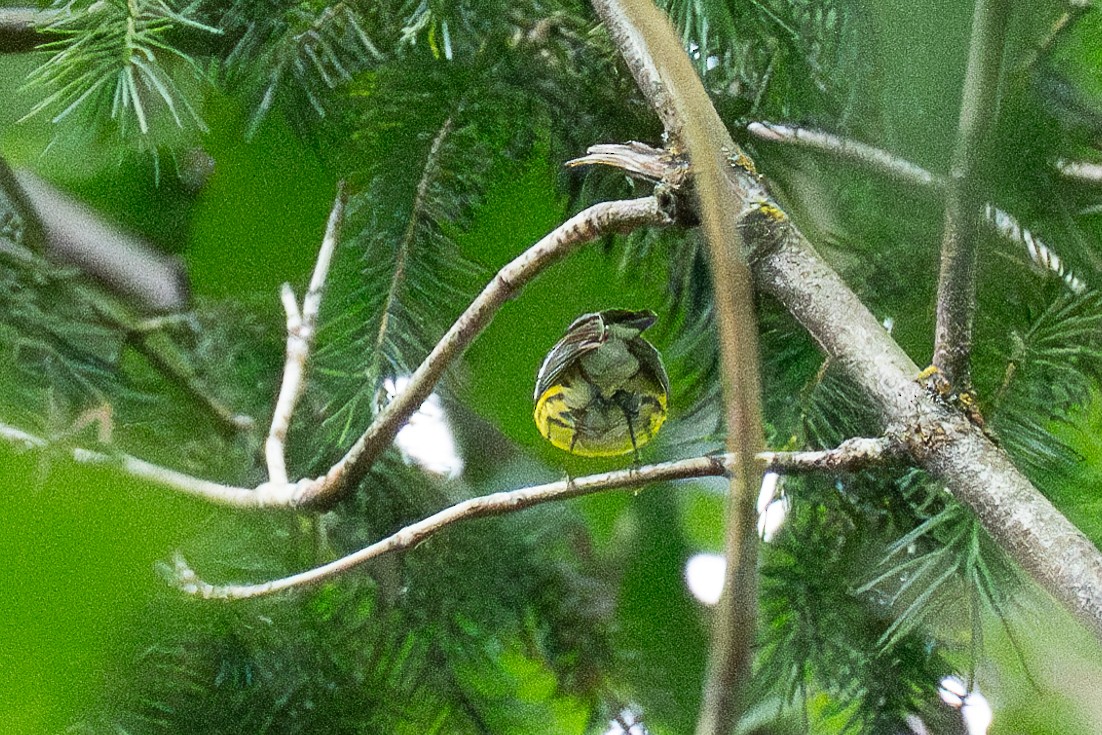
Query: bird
[(602, 390)]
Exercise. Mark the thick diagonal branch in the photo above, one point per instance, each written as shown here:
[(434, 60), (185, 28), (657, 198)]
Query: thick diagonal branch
[(1021, 520)]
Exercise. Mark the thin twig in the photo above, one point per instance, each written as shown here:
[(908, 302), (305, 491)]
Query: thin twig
[(726, 192), (172, 479), (852, 455), (1066, 21), (956, 294), (888, 164), (301, 329), (1039, 252), (588, 225), (871, 157), (495, 504)]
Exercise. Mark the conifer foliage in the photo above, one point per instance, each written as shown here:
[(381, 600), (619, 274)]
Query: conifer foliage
[(451, 124)]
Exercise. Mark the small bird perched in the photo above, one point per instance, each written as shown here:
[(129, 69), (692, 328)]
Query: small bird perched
[(602, 390)]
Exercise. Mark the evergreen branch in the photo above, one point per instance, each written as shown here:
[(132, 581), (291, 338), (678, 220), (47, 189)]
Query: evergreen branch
[(319, 47), (956, 293), (721, 201), (67, 231), (109, 51), (432, 161), (301, 328), (851, 456), (1020, 519), (588, 225), (941, 441), (888, 164)]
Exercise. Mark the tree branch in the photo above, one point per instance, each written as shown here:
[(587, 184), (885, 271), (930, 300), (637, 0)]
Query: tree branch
[(65, 231), (943, 442), (652, 47), (888, 164), (956, 293), (588, 225), (1085, 172), (124, 264), (852, 455), (301, 328), (214, 492)]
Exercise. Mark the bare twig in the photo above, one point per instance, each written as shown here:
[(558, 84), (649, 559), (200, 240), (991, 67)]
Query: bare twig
[(956, 294), (852, 455), (725, 196), (1039, 252), (637, 159), (172, 479), (871, 157), (1066, 21), (586, 226), (301, 329), (488, 505), (896, 167)]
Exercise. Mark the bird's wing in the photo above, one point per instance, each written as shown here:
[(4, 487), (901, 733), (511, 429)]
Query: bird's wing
[(648, 357), (586, 334)]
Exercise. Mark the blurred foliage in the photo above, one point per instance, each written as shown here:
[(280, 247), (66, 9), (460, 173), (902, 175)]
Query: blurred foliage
[(218, 130)]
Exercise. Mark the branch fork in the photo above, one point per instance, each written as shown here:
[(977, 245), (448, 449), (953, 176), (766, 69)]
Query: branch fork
[(301, 328)]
